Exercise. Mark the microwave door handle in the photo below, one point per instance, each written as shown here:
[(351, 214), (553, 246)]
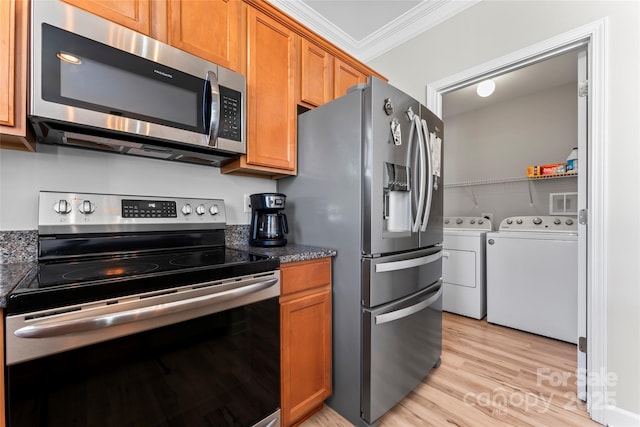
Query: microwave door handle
[(213, 108), (429, 173), (422, 167)]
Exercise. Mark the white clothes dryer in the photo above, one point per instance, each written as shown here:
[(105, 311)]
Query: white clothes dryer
[(463, 266), (532, 281)]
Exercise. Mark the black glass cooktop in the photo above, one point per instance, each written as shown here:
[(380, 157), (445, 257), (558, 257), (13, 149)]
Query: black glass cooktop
[(58, 284)]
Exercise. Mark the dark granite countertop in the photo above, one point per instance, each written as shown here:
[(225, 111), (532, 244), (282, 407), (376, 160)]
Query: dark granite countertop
[(11, 275), (289, 253)]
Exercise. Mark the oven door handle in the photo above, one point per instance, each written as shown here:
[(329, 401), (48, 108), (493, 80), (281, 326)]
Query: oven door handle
[(85, 324)]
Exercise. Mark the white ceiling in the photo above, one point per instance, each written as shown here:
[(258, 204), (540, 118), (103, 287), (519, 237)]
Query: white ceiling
[(554, 72), (368, 28)]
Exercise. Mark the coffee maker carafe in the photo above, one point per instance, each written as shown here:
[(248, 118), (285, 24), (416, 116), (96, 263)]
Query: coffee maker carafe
[(268, 225)]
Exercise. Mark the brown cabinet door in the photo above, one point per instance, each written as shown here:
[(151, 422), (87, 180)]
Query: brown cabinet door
[(211, 29), (306, 354), (316, 82), (134, 14), (271, 115), (345, 76), (13, 75)]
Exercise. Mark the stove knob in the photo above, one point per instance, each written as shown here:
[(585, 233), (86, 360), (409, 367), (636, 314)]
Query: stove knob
[(200, 210), (87, 207), (509, 221), (519, 221), (537, 221), (62, 207), (186, 209), (569, 221), (446, 221), (557, 221), (472, 221), (459, 221), (481, 221), (213, 210)]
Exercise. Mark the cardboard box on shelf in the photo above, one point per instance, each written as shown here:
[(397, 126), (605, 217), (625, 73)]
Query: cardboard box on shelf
[(553, 169)]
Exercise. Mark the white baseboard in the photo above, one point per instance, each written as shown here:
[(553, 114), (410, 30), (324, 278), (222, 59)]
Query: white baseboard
[(617, 417)]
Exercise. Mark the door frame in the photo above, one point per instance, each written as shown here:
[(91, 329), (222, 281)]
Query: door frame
[(594, 37)]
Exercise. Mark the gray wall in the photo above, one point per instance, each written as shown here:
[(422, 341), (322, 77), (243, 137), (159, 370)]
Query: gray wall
[(491, 29), (499, 142), (23, 174)]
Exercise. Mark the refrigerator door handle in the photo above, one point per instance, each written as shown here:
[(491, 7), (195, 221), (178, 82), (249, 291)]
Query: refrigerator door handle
[(408, 311), (407, 263), (429, 173), (423, 166)]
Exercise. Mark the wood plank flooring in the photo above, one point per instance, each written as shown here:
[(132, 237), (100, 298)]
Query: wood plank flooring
[(490, 376)]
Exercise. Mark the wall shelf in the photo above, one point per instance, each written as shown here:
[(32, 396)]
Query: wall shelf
[(509, 180), (528, 179), (557, 175)]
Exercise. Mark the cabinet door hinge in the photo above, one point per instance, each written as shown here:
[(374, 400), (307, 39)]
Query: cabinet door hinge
[(582, 344), (583, 88)]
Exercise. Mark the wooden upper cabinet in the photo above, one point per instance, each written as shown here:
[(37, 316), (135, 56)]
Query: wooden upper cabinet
[(316, 74), (271, 106), (345, 76), (133, 14), (211, 29), (14, 15)]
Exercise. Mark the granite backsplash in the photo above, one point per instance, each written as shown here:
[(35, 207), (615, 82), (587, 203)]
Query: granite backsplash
[(22, 246), (18, 246)]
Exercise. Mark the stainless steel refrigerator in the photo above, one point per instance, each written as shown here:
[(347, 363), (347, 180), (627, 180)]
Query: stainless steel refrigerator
[(369, 184)]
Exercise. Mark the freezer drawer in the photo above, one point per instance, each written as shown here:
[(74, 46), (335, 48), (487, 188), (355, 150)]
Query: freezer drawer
[(388, 278), (402, 342)]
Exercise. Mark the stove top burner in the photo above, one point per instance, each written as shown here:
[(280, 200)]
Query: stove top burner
[(64, 283), (108, 269)]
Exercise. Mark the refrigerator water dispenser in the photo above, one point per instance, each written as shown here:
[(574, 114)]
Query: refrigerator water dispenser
[(397, 199)]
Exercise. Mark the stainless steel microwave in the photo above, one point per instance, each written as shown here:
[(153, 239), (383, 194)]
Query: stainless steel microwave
[(98, 85)]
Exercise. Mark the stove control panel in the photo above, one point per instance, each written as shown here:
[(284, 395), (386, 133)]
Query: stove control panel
[(549, 224), (476, 223), (94, 213)]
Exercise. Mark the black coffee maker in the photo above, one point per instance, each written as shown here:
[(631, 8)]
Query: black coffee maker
[(268, 225)]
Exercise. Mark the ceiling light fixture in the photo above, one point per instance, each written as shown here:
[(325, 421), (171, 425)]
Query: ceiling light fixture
[(67, 57), (486, 88)]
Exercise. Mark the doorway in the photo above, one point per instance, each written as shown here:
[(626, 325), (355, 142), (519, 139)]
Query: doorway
[(591, 38)]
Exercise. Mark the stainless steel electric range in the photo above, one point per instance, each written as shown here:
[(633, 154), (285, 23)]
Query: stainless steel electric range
[(138, 314)]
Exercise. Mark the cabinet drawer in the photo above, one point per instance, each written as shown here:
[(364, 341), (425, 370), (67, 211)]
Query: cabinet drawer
[(300, 276)]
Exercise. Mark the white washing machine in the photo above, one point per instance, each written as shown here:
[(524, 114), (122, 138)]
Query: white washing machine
[(532, 280), (463, 266)]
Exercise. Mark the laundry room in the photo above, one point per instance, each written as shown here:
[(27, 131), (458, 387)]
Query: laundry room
[(511, 198), (531, 119)]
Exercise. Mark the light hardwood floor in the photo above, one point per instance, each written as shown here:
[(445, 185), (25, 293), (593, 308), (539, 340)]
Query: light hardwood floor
[(490, 376)]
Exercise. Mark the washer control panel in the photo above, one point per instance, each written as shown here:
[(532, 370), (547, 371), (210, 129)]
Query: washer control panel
[(550, 224), (476, 223)]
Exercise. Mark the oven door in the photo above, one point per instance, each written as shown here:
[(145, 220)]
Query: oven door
[(220, 369)]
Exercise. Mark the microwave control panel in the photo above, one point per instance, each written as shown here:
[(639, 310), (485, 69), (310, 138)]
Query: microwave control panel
[(231, 114)]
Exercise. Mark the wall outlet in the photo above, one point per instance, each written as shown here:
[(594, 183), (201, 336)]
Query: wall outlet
[(488, 216), (247, 203)]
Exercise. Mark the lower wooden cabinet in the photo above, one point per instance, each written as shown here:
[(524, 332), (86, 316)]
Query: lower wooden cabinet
[(305, 338)]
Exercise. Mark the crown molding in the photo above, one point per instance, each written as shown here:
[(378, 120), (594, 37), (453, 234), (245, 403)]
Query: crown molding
[(426, 15)]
